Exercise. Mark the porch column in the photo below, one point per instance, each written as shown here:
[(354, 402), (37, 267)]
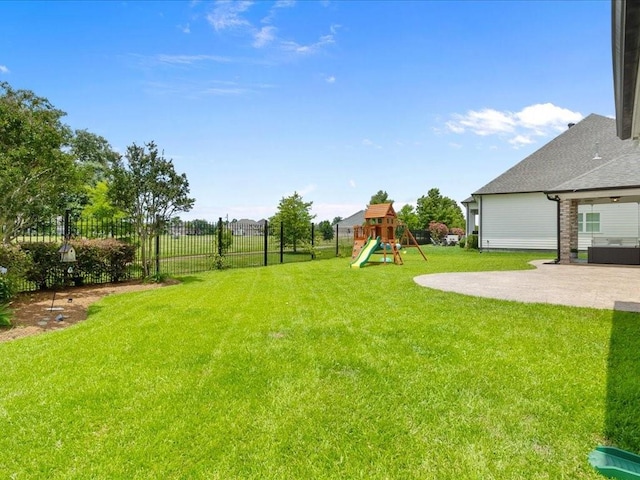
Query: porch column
[(568, 229)]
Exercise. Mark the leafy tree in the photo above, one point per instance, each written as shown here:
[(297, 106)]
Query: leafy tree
[(336, 220), (98, 205), (295, 216), (93, 154), (435, 208), (409, 217), (201, 227), (326, 230), (380, 197), (146, 186), (36, 175), (223, 240)]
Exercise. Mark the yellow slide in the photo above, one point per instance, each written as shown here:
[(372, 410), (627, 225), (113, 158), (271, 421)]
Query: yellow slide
[(363, 257)]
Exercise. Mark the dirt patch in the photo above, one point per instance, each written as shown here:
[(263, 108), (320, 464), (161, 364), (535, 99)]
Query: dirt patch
[(39, 312)]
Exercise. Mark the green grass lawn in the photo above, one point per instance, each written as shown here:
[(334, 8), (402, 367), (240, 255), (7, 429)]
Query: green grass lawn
[(316, 370)]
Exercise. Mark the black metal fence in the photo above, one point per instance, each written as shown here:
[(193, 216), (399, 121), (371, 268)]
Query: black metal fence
[(183, 247)]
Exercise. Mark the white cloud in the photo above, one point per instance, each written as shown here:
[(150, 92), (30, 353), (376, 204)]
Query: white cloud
[(279, 4), (185, 28), (330, 79), (352, 183), (264, 36), (520, 140), (484, 122), (3, 69), (368, 143), (295, 47), (188, 59), (542, 116), (539, 120), (230, 15), (227, 15)]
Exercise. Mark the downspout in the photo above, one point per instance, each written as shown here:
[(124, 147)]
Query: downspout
[(480, 224), (557, 200)]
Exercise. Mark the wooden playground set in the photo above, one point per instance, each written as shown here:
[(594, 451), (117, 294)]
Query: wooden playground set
[(375, 242)]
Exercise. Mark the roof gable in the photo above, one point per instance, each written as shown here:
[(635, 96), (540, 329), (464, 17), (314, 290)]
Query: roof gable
[(379, 210), (582, 148)]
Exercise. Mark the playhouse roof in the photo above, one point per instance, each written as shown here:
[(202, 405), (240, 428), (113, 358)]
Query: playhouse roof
[(380, 210)]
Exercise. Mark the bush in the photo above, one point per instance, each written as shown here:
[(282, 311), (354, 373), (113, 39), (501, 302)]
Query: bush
[(438, 232), (5, 316), (462, 242), (457, 231), (45, 267), (14, 262), (472, 242), (99, 257), (94, 259), (218, 262)]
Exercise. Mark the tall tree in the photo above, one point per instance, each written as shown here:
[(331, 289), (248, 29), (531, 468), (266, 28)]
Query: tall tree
[(326, 230), (380, 197), (93, 154), (409, 217), (36, 175), (435, 208), (295, 216), (146, 186)]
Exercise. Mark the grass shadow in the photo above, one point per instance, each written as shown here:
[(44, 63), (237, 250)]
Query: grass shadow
[(622, 422), (187, 279)]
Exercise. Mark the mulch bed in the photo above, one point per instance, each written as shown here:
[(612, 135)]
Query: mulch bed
[(39, 312)]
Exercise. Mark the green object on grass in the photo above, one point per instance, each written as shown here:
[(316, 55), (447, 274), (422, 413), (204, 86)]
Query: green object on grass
[(615, 463)]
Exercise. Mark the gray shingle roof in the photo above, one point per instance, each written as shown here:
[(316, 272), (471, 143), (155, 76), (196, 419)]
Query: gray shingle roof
[(570, 155), (355, 219), (622, 172)]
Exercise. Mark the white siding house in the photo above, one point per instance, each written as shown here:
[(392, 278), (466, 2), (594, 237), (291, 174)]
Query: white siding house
[(580, 189), (518, 221), (611, 223)]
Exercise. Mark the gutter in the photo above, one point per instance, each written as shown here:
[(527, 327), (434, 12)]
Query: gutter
[(557, 200)]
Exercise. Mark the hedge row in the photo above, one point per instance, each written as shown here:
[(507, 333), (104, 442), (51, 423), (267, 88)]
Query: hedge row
[(40, 263)]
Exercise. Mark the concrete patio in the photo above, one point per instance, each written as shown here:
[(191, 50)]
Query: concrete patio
[(601, 286)]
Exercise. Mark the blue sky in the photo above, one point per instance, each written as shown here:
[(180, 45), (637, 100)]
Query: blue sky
[(333, 99)]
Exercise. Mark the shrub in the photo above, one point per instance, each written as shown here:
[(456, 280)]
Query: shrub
[(438, 232), (45, 267), (218, 262), (106, 256), (94, 259), (5, 316), (472, 242), (457, 231), (223, 239), (14, 263), (462, 242)]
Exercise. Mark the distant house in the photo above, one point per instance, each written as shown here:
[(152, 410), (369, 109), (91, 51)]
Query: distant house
[(345, 226), (579, 190), (247, 227)]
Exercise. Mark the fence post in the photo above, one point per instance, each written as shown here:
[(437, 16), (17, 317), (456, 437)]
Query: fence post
[(266, 243), (157, 245), (313, 243), (337, 244), (67, 212), (281, 242), (220, 236)]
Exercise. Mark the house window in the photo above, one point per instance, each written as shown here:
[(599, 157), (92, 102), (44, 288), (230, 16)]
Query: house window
[(589, 222)]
